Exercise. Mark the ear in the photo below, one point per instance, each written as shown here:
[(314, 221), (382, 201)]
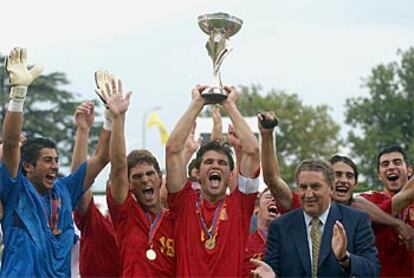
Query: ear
[(27, 167), (409, 171)]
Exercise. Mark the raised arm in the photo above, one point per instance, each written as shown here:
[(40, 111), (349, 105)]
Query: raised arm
[(20, 78), (99, 160), (250, 160), (234, 141), (270, 164), (378, 216), (84, 118), (101, 157), (118, 104), (175, 151), (403, 198), (191, 145), (217, 130)]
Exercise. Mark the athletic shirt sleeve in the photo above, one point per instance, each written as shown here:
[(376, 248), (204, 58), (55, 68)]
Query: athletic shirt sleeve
[(7, 183), (294, 204), (82, 218), (381, 200), (177, 200), (117, 211), (74, 183)]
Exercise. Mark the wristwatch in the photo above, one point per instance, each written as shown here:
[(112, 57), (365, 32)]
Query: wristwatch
[(345, 259)]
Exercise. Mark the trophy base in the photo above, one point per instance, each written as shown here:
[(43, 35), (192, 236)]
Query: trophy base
[(214, 95)]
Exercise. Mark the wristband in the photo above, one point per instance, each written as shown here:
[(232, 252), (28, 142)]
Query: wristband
[(248, 185), (107, 122), (15, 105), (18, 93)]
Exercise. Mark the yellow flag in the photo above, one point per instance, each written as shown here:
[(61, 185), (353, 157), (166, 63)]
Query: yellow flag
[(154, 120)]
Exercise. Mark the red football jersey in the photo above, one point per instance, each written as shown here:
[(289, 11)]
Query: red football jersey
[(255, 249), (99, 255), (132, 228), (194, 259), (295, 203), (395, 259)]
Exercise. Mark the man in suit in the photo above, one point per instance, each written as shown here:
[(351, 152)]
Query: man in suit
[(323, 238)]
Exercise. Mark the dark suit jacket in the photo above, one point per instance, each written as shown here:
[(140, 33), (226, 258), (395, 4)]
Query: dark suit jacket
[(287, 249)]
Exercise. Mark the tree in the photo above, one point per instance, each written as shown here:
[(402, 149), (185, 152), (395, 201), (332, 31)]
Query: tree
[(303, 132), (386, 116), (48, 111)]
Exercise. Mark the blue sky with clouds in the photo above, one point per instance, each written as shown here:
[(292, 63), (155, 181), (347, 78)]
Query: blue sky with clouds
[(319, 49)]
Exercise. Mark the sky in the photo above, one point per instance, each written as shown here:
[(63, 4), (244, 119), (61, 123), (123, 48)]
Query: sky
[(318, 49)]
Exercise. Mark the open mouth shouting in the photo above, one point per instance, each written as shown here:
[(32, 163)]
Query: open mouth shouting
[(148, 192), (392, 177), (51, 177), (273, 210), (214, 178), (341, 190)]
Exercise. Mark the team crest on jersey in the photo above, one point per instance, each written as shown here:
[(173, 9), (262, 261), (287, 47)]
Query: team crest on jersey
[(223, 214)]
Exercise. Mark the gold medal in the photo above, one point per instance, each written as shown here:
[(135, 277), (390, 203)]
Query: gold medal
[(56, 231), (210, 243), (151, 255)]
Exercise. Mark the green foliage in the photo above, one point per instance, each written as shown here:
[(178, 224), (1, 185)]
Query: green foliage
[(48, 112), (303, 132), (386, 116)]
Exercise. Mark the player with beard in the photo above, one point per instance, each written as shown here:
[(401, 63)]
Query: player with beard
[(256, 242), (211, 227), (37, 224), (144, 228), (397, 259)]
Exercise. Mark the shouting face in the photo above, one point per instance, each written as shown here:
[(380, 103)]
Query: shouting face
[(145, 183), (267, 207), (44, 172), (214, 175), (345, 182), (393, 171)]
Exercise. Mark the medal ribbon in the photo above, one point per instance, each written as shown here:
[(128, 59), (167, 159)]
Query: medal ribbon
[(262, 235), (153, 226), (52, 219), (212, 232)]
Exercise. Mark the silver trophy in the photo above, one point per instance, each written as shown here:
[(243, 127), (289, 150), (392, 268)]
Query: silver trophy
[(219, 27)]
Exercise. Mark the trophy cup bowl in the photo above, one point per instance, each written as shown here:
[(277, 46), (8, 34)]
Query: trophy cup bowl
[(219, 27)]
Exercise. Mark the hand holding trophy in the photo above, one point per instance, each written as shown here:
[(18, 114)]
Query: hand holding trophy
[(220, 27)]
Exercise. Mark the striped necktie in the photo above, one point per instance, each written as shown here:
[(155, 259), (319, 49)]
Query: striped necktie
[(316, 245)]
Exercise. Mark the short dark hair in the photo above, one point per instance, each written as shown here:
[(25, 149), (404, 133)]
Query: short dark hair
[(341, 158), (394, 148), (136, 157), (217, 147), (190, 167), (317, 165), (263, 192), (29, 151)]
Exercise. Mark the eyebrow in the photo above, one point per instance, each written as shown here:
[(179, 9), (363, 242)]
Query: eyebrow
[(345, 172)]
